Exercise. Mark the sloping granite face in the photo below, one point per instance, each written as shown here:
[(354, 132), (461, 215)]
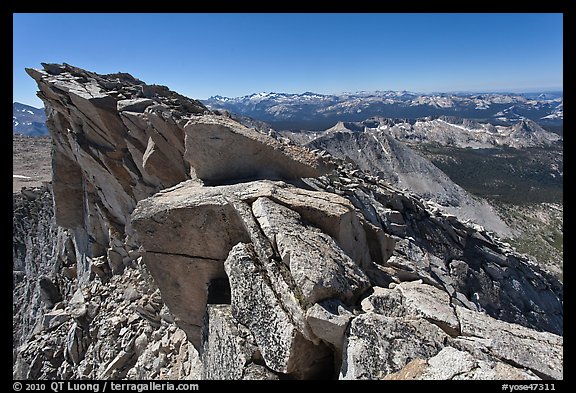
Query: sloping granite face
[(197, 246)]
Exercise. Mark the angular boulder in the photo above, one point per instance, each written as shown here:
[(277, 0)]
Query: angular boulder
[(221, 150), (378, 345), (187, 232)]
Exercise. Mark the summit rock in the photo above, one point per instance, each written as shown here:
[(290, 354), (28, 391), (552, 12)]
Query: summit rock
[(183, 244)]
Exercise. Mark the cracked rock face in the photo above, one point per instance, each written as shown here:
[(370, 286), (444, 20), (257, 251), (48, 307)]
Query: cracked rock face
[(215, 219), (471, 344), (183, 244)]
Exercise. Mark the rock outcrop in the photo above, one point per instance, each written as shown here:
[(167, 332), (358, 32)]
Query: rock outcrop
[(40, 251), (413, 329), (198, 247), (215, 219)]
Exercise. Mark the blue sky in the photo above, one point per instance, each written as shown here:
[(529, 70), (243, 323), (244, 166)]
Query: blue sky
[(200, 55)]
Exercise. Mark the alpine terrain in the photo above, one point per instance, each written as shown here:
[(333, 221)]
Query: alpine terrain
[(175, 242), (507, 178), (313, 111)]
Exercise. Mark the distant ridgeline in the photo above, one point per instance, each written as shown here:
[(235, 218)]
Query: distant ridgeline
[(311, 111), (27, 120)]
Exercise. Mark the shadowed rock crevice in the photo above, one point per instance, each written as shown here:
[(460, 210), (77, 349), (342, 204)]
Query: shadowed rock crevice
[(219, 291)]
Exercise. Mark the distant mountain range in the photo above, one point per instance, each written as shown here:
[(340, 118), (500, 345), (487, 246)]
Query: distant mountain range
[(27, 120), (456, 132), (314, 111)]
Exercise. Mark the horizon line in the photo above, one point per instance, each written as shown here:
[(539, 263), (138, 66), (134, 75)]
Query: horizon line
[(513, 91), (429, 92)]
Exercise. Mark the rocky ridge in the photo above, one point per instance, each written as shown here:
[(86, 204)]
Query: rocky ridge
[(270, 261), (464, 133), (382, 154)]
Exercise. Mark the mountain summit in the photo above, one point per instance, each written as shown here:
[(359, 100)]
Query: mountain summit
[(175, 242)]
